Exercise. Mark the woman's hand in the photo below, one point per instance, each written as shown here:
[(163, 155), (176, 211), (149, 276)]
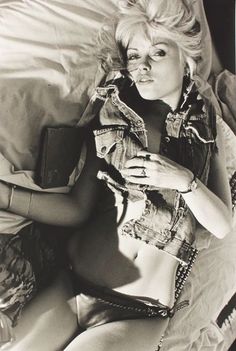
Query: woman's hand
[(4, 195), (156, 170)]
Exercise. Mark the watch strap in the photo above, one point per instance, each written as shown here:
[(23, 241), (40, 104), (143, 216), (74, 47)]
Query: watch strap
[(192, 186)]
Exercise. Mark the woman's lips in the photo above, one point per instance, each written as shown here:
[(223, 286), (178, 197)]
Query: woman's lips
[(144, 80)]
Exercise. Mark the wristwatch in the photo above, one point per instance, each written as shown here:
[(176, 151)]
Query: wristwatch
[(193, 185)]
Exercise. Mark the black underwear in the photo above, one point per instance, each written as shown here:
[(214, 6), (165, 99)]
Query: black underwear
[(97, 305)]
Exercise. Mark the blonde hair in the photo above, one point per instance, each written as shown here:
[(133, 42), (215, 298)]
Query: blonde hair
[(173, 19)]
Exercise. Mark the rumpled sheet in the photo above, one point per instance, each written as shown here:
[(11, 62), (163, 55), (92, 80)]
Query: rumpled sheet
[(209, 287), (47, 77), (46, 71)]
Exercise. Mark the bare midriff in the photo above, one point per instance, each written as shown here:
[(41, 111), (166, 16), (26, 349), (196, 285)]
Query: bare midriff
[(104, 256), (107, 258)]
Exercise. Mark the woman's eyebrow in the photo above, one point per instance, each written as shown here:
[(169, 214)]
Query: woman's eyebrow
[(154, 44), (160, 42)]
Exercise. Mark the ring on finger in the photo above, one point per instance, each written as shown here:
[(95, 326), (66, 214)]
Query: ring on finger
[(143, 162), (144, 172)]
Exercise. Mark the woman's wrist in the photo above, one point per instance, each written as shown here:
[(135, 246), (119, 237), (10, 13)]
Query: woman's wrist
[(20, 201), (11, 195), (5, 195), (15, 199), (193, 185), (190, 183)]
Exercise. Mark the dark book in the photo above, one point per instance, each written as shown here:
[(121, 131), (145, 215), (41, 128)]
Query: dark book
[(59, 154)]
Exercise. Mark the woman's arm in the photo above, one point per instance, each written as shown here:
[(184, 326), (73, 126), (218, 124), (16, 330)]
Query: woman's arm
[(210, 206), (70, 209)]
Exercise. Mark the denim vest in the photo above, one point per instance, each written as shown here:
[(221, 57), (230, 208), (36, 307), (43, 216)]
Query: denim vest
[(188, 138)]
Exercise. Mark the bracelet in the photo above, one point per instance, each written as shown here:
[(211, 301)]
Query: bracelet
[(12, 189), (29, 203), (20, 200), (192, 186)]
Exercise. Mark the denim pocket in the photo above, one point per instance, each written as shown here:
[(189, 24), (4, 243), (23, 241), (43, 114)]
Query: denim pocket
[(116, 145), (110, 144), (197, 147)]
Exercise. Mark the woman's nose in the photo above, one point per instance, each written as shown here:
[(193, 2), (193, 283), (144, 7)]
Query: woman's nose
[(145, 65)]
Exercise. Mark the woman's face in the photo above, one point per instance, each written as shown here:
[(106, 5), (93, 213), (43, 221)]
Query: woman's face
[(156, 68)]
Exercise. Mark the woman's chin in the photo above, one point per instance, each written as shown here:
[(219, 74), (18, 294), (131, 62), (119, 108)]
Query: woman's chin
[(148, 95)]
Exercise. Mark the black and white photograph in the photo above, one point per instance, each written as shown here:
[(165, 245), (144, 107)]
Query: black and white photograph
[(117, 175)]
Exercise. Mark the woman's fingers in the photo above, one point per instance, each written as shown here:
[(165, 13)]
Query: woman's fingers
[(148, 156), (135, 162), (142, 168), (135, 172), (142, 162), (138, 180), (155, 170)]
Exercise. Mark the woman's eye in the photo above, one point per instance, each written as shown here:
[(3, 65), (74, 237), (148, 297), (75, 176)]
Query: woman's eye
[(132, 57), (159, 52)]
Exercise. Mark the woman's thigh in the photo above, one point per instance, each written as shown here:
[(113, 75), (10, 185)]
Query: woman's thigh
[(129, 335), (48, 322)]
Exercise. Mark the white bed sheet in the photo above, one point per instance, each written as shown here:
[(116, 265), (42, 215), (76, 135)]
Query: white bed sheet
[(45, 69), (45, 72), (47, 78)]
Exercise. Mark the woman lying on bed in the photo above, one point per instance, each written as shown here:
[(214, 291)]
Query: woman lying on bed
[(155, 168)]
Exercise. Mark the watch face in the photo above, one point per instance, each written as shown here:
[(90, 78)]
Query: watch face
[(193, 185)]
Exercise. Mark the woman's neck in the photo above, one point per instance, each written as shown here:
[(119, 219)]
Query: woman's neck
[(145, 108), (173, 99)]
